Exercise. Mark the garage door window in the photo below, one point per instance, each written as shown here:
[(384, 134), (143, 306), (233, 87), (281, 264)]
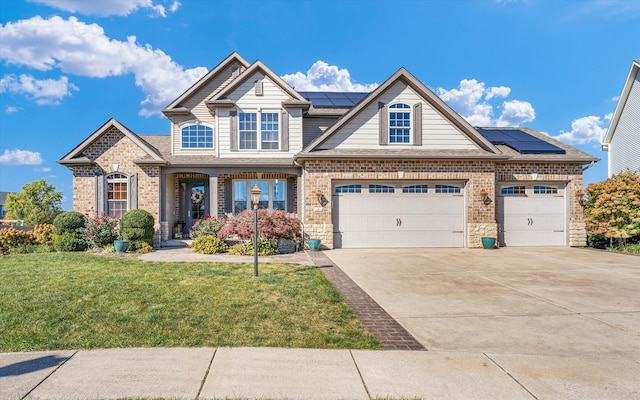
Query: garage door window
[(545, 190), (415, 189), (447, 189), (355, 188), (381, 189), (512, 190)]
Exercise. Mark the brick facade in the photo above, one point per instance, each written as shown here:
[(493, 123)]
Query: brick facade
[(478, 175)]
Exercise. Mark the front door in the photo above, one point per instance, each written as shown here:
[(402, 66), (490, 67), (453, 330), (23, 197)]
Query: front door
[(194, 201)]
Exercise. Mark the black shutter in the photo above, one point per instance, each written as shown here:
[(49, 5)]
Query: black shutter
[(291, 195), (228, 196), (383, 118), (233, 129), (417, 124)]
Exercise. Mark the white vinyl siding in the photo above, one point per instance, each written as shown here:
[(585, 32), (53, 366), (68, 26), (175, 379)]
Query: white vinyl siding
[(362, 132), (200, 111), (624, 149)]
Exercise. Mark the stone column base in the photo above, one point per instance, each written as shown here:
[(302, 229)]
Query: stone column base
[(476, 231)]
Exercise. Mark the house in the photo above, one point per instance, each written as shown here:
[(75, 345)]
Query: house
[(3, 200), (622, 139), (396, 167)]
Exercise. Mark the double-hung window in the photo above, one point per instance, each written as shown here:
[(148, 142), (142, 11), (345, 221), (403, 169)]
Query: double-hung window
[(399, 123), (117, 194), (262, 135)]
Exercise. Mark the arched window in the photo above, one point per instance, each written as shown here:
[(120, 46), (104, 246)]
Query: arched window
[(117, 194), (197, 137), (399, 123)]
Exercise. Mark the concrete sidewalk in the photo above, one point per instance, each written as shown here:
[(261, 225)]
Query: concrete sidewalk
[(253, 373)]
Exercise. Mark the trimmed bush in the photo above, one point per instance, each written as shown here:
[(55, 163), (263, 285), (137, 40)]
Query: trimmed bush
[(266, 247), (68, 241), (137, 227), (272, 224), (208, 244), (208, 225), (69, 222)]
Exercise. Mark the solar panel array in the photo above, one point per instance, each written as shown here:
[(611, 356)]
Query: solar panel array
[(333, 99), (520, 141)]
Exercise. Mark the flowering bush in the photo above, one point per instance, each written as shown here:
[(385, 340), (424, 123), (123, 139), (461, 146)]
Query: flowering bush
[(102, 231), (272, 224), (208, 225), (612, 207)]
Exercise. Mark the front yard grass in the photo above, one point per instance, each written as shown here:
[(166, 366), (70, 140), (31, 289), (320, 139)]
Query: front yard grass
[(82, 301)]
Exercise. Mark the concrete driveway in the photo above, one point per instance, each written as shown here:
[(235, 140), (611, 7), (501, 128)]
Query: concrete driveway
[(561, 321)]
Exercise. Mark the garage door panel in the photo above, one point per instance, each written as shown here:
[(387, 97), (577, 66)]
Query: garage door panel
[(398, 219), (531, 220)]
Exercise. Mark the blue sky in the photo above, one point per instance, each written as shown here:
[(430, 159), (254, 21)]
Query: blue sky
[(67, 66)]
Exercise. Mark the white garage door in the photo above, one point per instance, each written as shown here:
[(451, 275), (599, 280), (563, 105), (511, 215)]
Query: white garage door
[(532, 215), (398, 214)]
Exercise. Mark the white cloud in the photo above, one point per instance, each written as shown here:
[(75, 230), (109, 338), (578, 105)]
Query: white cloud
[(326, 78), (20, 157), (46, 91), (471, 101), (583, 130), (10, 109), (111, 7), (84, 50)]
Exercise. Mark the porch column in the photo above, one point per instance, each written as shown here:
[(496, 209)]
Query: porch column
[(213, 195)]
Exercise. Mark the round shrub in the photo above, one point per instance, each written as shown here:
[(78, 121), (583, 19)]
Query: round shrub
[(137, 227), (69, 222), (208, 244)]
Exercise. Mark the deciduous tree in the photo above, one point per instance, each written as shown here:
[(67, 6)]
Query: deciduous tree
[(612, 207), (38, 203)]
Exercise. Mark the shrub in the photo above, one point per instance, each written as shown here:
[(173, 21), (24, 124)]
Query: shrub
[(137, 227), (208, 225), (272, 224), (69, 222), (12, 238), (144, 248), (266, 247), (44, 234), (208, 244), (68, 241), (102, 231)]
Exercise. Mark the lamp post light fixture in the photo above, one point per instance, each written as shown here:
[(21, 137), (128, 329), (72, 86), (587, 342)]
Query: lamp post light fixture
[(255, 199)]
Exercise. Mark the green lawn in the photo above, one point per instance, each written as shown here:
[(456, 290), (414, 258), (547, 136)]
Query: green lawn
[(72, 301)]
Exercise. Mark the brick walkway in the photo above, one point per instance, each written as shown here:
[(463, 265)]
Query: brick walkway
[(390, 334)]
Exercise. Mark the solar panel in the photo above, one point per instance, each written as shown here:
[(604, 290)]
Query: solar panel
[(520, 141)]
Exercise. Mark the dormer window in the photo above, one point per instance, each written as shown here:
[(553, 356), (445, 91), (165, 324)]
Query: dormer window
[(399, 123), (197, 137)]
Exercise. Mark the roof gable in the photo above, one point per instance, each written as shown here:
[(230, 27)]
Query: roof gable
[(622, 101), (439, 106), (259, 67), (176, 105), (76, 155)]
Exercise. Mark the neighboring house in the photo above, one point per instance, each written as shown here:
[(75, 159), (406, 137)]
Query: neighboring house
[(3, 200), (396, 167), (622, 139)]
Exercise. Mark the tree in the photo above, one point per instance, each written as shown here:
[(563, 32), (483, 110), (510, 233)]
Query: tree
[(612, 207), (38, 203)]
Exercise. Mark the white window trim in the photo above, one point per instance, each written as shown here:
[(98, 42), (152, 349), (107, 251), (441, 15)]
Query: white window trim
[(410, 127), (197, 122), (249, 187), (259, 113), (116, 180)]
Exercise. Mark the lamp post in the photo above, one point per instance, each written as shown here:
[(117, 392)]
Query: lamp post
[(255, 199)]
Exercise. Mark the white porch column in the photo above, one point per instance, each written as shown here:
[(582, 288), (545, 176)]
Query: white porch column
[(213, 195)]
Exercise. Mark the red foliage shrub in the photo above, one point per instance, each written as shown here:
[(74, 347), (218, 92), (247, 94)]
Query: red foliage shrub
[(272, 224)]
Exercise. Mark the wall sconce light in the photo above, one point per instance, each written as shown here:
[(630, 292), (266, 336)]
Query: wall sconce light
[(485, 197), (321, 199)]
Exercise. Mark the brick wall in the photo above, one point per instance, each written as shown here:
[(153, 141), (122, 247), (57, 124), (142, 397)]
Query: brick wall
[(115, 148)]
